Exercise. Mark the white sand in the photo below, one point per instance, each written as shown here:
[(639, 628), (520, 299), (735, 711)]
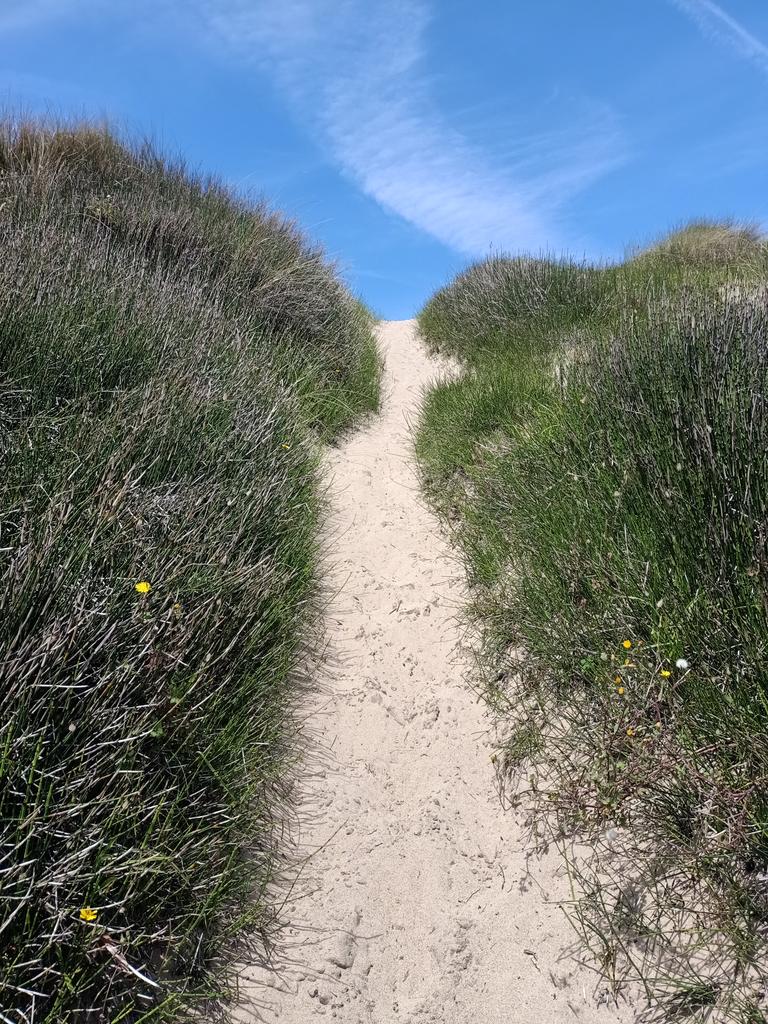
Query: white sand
[(417, 903)]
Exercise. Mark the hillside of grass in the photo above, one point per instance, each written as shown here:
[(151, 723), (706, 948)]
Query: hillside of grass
[(171, 359), (600, 459)]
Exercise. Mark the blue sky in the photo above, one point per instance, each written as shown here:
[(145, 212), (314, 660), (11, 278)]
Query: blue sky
[(412, 136)]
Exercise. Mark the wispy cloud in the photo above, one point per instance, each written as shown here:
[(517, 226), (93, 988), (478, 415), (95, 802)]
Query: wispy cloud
[(715, 22), (353, 72)]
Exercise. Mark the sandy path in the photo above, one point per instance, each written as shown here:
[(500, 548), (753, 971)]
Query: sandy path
[(418, 905)]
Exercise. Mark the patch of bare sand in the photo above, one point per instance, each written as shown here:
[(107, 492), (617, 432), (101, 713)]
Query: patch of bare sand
[(417, 901)]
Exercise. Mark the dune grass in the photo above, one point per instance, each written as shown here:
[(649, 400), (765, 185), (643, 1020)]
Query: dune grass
[(171, 355), (601, 462)]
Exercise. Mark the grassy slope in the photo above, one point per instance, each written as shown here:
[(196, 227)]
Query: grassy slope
[(600, 462), (169, 355)]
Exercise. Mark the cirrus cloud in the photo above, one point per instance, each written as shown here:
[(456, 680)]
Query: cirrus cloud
[(353, 73)]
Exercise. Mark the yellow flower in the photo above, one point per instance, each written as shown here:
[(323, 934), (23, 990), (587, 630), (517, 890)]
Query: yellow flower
[(620, 691), (665, 673), (86, 914), (617, 680), (630, 731), (143, 587), (626, 644), (285, 446)]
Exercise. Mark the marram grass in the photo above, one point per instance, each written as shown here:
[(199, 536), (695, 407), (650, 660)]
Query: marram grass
[(170, 356), (601, 461)]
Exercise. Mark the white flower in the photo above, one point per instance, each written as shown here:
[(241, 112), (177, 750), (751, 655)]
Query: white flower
[(681, 663)]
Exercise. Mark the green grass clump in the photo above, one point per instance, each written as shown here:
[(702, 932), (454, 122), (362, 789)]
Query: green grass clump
[(170, 355), (601, 461), (707, 245)]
